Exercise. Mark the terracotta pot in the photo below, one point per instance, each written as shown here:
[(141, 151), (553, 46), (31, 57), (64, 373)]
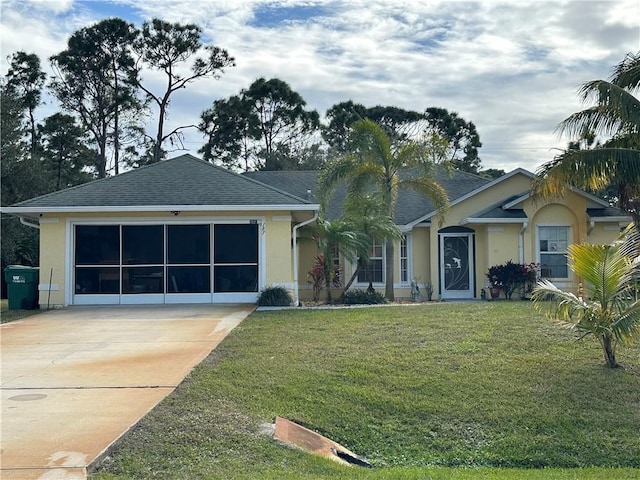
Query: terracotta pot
[(495, 292)]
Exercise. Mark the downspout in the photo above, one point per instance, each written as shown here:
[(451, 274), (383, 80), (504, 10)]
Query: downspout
[(24, 221), (521, 241), (296, 297)]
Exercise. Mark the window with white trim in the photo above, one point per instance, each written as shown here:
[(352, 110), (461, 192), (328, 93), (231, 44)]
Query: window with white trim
[(335, 265), (373, 271), (552, 251), (404, 259)]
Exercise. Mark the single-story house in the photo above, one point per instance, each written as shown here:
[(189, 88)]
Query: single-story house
[(186, 231)]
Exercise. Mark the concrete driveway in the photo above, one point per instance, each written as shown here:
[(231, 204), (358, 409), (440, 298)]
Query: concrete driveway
[(74, 380)]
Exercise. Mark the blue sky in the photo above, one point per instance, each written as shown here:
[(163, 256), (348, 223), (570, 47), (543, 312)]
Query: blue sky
[(513, 68)]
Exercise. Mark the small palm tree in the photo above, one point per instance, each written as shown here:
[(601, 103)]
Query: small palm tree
[(366, 214), (616, 162), (374, 161), (336, 236), (611, 310)]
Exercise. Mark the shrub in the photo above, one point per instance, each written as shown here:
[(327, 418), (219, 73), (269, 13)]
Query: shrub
[(274, 297), (363, 297), (510, 276)]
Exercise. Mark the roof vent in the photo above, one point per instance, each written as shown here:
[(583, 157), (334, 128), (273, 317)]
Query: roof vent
[(309, 196)]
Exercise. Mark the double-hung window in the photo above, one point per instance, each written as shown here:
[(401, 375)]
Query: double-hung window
[(552, 251), (373, 270), (404, 259)]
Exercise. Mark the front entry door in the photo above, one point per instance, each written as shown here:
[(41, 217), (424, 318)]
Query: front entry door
[(456, 265)]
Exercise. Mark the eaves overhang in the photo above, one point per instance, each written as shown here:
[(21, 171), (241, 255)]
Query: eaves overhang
[(31, 211), (515, 202), (611, 219), (515, 221)]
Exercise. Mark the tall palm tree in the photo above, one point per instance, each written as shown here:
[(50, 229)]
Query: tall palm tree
[(615, 113), (373, 161), (610, 311)]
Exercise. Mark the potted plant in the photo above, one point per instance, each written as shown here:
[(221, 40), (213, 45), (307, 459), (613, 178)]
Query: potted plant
[(493, 276)]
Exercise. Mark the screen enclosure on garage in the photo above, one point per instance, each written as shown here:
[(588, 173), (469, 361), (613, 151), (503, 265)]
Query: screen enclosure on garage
[(166, 263)]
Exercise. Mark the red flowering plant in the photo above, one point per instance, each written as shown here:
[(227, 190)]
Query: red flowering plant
[(509, 276)]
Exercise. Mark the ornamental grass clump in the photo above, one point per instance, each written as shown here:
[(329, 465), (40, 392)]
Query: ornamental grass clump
[(275, 296)]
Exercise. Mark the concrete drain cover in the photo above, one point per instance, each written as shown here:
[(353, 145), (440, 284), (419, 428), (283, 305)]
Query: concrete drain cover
[(28, 397), (292, 434)]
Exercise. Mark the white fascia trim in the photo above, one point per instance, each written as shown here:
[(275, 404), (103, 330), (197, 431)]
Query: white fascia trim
[(493, 220), (515, 202), (587, 195), (617, 219), (472, 193), (161, 208)]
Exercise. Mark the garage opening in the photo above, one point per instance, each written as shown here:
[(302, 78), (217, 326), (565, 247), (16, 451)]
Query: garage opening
[(165, 263)]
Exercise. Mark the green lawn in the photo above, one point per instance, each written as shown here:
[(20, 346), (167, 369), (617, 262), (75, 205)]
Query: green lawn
[(458, 391), (7, 315)]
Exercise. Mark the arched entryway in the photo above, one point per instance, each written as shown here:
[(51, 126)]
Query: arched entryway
[(457, 262)]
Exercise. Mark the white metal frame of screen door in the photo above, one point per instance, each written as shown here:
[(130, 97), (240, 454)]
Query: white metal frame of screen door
[(457, 265)]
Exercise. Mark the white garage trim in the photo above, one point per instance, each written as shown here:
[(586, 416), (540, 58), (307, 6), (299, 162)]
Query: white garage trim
[(72, 298)]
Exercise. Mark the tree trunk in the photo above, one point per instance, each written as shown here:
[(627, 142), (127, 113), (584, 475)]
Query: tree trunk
[(327, 280), (389, 264), (157, 148), (32, 130), (59, 183), (352, 279), (609, 349), (101, 160)]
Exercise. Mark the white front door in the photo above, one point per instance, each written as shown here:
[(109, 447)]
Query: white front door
[(456, 265)]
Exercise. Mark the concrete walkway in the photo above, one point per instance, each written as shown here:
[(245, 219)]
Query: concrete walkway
[(75, 380)]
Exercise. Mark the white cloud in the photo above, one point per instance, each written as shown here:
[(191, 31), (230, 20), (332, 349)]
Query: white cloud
[(512, 68)]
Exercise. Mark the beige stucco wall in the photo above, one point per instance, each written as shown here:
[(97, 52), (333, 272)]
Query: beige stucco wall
[(489, 244), (499, 242), (55, 248), (307, 252), (604, 232), (278, 251), (52, 259), (421, 258)]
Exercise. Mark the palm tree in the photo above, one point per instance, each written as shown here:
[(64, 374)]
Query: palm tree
[(615, 113), (611, 310), (367, 215), (373, 161), (336, 236)]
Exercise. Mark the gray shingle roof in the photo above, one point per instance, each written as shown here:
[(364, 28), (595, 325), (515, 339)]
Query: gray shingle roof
[(606, 212), (179, 181), (497, 212), (410, 206)]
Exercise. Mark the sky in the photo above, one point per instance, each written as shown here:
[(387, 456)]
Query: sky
[(513, 68)]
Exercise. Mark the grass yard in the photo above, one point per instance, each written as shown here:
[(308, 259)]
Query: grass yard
[(7, 315), (485, 390)]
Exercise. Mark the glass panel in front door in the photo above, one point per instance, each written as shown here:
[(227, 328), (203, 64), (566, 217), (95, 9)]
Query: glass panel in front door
[(456, 263)]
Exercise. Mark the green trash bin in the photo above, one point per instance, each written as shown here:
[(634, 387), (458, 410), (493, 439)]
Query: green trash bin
[(22, 287)]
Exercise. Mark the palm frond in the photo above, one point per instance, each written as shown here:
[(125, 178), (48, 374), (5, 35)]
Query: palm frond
[(627, 73), (555, 303), (587, 262), (430, 188), (630, 241), (627, 325), (586, 169), (331, 175), (615, 109), (370, 141)]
